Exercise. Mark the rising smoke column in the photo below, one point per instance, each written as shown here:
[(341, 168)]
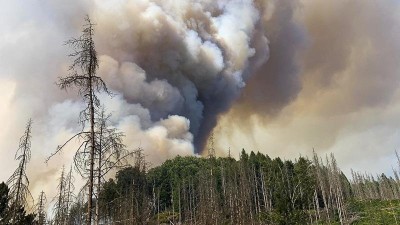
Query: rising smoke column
[(331, 83), (173, 65), (186, 58)]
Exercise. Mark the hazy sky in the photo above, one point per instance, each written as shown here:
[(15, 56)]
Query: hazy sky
[(277, 76)]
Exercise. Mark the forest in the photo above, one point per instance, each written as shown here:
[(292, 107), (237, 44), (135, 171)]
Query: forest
[(253, 189)]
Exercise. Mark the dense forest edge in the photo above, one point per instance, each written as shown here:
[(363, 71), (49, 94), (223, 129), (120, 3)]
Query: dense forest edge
[(254, 189)]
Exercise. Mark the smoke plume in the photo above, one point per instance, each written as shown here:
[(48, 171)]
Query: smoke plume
[(331, 83), (174, 67), (186, 58)]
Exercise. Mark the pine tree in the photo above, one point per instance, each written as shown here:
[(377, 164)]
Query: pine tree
[(18, 182), (4, 198)]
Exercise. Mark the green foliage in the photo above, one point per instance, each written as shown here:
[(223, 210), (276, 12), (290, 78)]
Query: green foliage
[(6, 212), (3, 200), (22, 217), (129, 189), (172, 173), (252, 190), (290, 185), (109, 191), (76, 216), (375, 212)]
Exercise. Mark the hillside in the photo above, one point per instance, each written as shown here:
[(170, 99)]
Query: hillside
[(252, 190), (376, 212)]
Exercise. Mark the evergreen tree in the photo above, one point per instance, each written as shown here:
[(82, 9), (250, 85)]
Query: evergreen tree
[(11, 214), (4, 198)]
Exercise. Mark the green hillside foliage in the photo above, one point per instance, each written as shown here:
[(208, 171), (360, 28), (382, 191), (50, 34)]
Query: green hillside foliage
[(376, 212), (253, 189)]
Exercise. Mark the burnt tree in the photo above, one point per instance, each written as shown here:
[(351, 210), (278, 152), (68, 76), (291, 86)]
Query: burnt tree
[(19, 182), (60, 211), (41, 209), (83, 77), (110, 153)]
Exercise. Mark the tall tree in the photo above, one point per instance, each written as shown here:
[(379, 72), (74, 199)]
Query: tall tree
[(19, 182), (83, 77), (69, 196), (60, 210), (64, 198)]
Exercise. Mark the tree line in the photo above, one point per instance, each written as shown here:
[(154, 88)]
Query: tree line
[(252, 190)]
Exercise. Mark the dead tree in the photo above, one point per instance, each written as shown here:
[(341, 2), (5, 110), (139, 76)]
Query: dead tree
[(140, 160), (41, 209), (211, 149), (337, 189), (83, 77), (321, 183), (110, 153), (398, 159), (19, 182), (69, 196), (65, 198), (60, 209)]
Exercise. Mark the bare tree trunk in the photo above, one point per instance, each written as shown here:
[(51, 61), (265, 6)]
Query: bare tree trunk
[(173, 203), (60, 209), (99, 172), (179, 204), (90, 194), (321, 184), (264, 194), (158, 206), (316, 205)]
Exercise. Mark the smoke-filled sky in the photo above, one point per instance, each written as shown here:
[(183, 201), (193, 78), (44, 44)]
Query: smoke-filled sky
[(277, 76)]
